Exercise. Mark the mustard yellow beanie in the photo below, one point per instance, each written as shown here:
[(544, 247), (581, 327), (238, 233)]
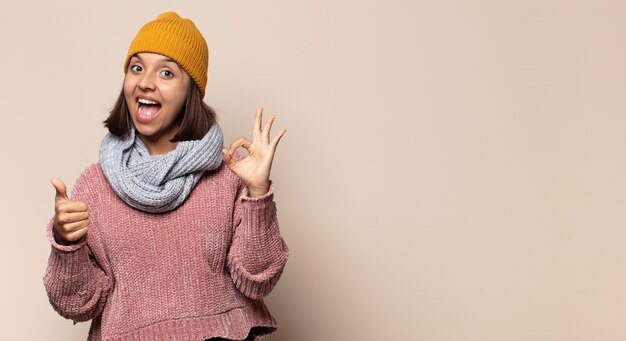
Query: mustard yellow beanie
[(176, 38)]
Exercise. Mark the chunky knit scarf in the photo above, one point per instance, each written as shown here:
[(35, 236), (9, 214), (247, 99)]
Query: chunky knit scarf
[(158, 183)]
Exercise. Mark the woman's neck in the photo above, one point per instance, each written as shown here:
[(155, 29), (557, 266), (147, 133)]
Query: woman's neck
[(158, 146)]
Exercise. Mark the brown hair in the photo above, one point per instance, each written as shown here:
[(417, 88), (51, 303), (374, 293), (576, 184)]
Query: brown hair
[(194, 120)]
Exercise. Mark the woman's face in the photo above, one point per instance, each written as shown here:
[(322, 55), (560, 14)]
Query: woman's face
[(155, 89)]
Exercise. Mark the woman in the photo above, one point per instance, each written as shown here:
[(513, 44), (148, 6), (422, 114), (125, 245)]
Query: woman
[(170, 236)]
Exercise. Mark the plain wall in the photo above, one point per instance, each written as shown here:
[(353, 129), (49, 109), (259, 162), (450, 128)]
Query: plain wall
[(452, 170)]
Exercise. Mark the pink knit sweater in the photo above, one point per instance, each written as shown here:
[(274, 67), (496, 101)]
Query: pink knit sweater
[(197, 272)]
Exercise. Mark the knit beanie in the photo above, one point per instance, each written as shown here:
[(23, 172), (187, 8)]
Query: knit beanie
[(176, 38)]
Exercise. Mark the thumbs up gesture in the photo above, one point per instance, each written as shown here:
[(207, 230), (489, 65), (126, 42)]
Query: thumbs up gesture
[(71, 220)]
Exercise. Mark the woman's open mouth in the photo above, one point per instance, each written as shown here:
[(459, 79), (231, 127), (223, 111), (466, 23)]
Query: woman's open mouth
[(147, 110)]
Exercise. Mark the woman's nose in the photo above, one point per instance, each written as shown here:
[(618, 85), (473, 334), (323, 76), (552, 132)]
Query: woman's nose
[(146, 82)]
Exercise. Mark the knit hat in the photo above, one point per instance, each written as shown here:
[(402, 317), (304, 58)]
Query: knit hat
[(176, 38)]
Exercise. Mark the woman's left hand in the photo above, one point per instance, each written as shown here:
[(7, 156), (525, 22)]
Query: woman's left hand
[(254, 170)]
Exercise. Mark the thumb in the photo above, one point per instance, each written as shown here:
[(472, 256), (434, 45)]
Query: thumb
[(228, 157), (61, 190)]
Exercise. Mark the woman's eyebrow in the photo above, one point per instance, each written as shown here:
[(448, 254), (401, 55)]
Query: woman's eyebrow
[(170, 60)]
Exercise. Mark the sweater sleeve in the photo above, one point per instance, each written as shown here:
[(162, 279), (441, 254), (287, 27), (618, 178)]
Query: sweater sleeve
[(76, 285), (258, 253)]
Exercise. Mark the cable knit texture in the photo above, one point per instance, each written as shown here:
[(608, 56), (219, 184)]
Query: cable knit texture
[(158, 183), (196, 272)]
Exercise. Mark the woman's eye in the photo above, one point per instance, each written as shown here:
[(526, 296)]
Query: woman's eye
[(135, 68), (167, 73)]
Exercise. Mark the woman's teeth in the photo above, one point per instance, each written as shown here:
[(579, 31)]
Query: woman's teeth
[(145, 101)]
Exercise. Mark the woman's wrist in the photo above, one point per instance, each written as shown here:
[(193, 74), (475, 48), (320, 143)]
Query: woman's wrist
[(259, 190)]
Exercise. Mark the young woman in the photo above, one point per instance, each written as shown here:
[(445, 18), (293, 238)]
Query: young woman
[(170, 236)]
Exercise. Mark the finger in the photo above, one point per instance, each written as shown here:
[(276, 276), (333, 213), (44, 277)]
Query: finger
[(71, 206), (67, 218), (227, 156), (277, 138), (258, 118), (240, 142), (61, 190), (72, 227), (267, 128), (76, 235)]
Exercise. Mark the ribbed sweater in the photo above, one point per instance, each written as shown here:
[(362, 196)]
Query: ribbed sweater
[(197, 272)]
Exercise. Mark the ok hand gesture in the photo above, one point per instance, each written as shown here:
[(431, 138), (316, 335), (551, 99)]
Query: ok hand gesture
[(254, 170)]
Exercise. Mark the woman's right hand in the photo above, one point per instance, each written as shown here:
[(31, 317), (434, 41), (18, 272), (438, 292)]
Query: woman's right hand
[(71, 220)]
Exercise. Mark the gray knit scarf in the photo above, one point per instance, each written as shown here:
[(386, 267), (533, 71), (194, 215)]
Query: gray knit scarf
[(158, 183)]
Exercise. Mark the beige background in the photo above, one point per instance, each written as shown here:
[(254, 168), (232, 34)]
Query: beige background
[(452, 170)]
